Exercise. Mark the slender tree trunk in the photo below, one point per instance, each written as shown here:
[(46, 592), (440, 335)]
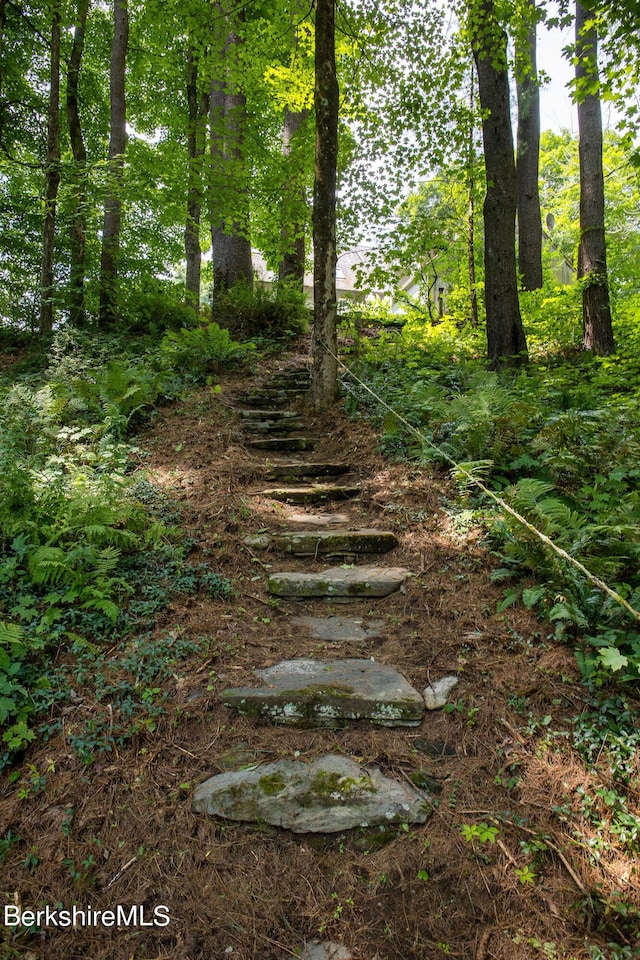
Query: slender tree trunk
[(292, 234), (198, 105), (52, 179), (216, 178), (229, 208), (117, 145), (3, 16), (506, 341), (324, 347), (528, 161), (597, 330), (78, 221), (471, 208)]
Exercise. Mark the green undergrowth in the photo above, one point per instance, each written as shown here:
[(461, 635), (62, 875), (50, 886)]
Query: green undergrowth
[(558, 439), (90, 551)]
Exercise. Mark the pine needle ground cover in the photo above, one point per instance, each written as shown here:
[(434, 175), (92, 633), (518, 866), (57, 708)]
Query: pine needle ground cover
[(531, 776)]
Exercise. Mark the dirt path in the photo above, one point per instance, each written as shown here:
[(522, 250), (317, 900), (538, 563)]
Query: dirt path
[(121, 830)]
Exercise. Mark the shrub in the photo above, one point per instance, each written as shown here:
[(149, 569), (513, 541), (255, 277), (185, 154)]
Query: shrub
[(278, 312), (202, 350), (157, 306)]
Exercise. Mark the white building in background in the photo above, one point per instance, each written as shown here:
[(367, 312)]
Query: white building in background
[(347, 285), (351, 269)]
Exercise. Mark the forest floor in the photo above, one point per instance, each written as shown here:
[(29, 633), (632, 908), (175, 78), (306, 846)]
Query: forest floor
[(496, 872)]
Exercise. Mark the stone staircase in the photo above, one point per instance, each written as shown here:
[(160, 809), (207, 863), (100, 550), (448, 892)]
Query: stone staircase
[(333, 793)]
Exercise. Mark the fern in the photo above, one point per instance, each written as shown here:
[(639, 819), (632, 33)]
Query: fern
[(50, 566)]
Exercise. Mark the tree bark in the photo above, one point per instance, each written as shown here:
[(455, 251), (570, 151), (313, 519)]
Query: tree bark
[(597, 330), (3, 15), (229, 208), (197, 105), (117, 144), (78, 220), (293, 258), (528, 160), (324, 389), (471, 209), (506, 341), (52, 179)]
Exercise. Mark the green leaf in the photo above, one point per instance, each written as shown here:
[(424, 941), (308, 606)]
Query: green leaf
[(611, 658)]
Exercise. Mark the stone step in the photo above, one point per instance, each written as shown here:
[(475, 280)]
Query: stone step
[(272, 415), (304, 543), (273, 426), (320, 693), (264, 403), (315, 494), (341, 629), (287, 471), (282, 443), (291, 373), (319, 519), (329, 795), (297, 382), (277, 393), (364, 581), (266, 399)]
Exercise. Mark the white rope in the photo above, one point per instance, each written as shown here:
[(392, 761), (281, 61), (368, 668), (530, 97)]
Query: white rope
[(494, 496)]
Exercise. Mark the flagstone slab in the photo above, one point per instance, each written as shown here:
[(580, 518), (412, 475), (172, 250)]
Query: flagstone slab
[(294, 382), (339, 629), (291, 471), (329, 795), (320, 693), (313, 494), (262, 402), (273, 426), (325, 950), (271, 415), (319, 519), (361, 581), (305, 543), (282, 443)]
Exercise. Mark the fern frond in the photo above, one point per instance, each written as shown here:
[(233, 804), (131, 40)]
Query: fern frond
[(50, 565), (107, 560)]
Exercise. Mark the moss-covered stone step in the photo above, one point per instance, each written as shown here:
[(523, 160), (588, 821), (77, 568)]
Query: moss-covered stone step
[(299, 381), (329, 795), (320, 693), (266, 403), (312, 494), (276, 393), (304, 543), (269, 399), (336, 629), (258, 414), (344, 581), (268, 425), (294, 471), (282, 443), (323, 520)]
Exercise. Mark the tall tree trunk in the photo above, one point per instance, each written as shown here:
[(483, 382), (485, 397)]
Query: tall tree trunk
[(471, 208), (324, 347), (117, 145), (198, 105), (78, 221), (52, 178), (216, 178), (3, 16), (229, 209), (528, 159), (597, 330), (505, 335), (292, 234)]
